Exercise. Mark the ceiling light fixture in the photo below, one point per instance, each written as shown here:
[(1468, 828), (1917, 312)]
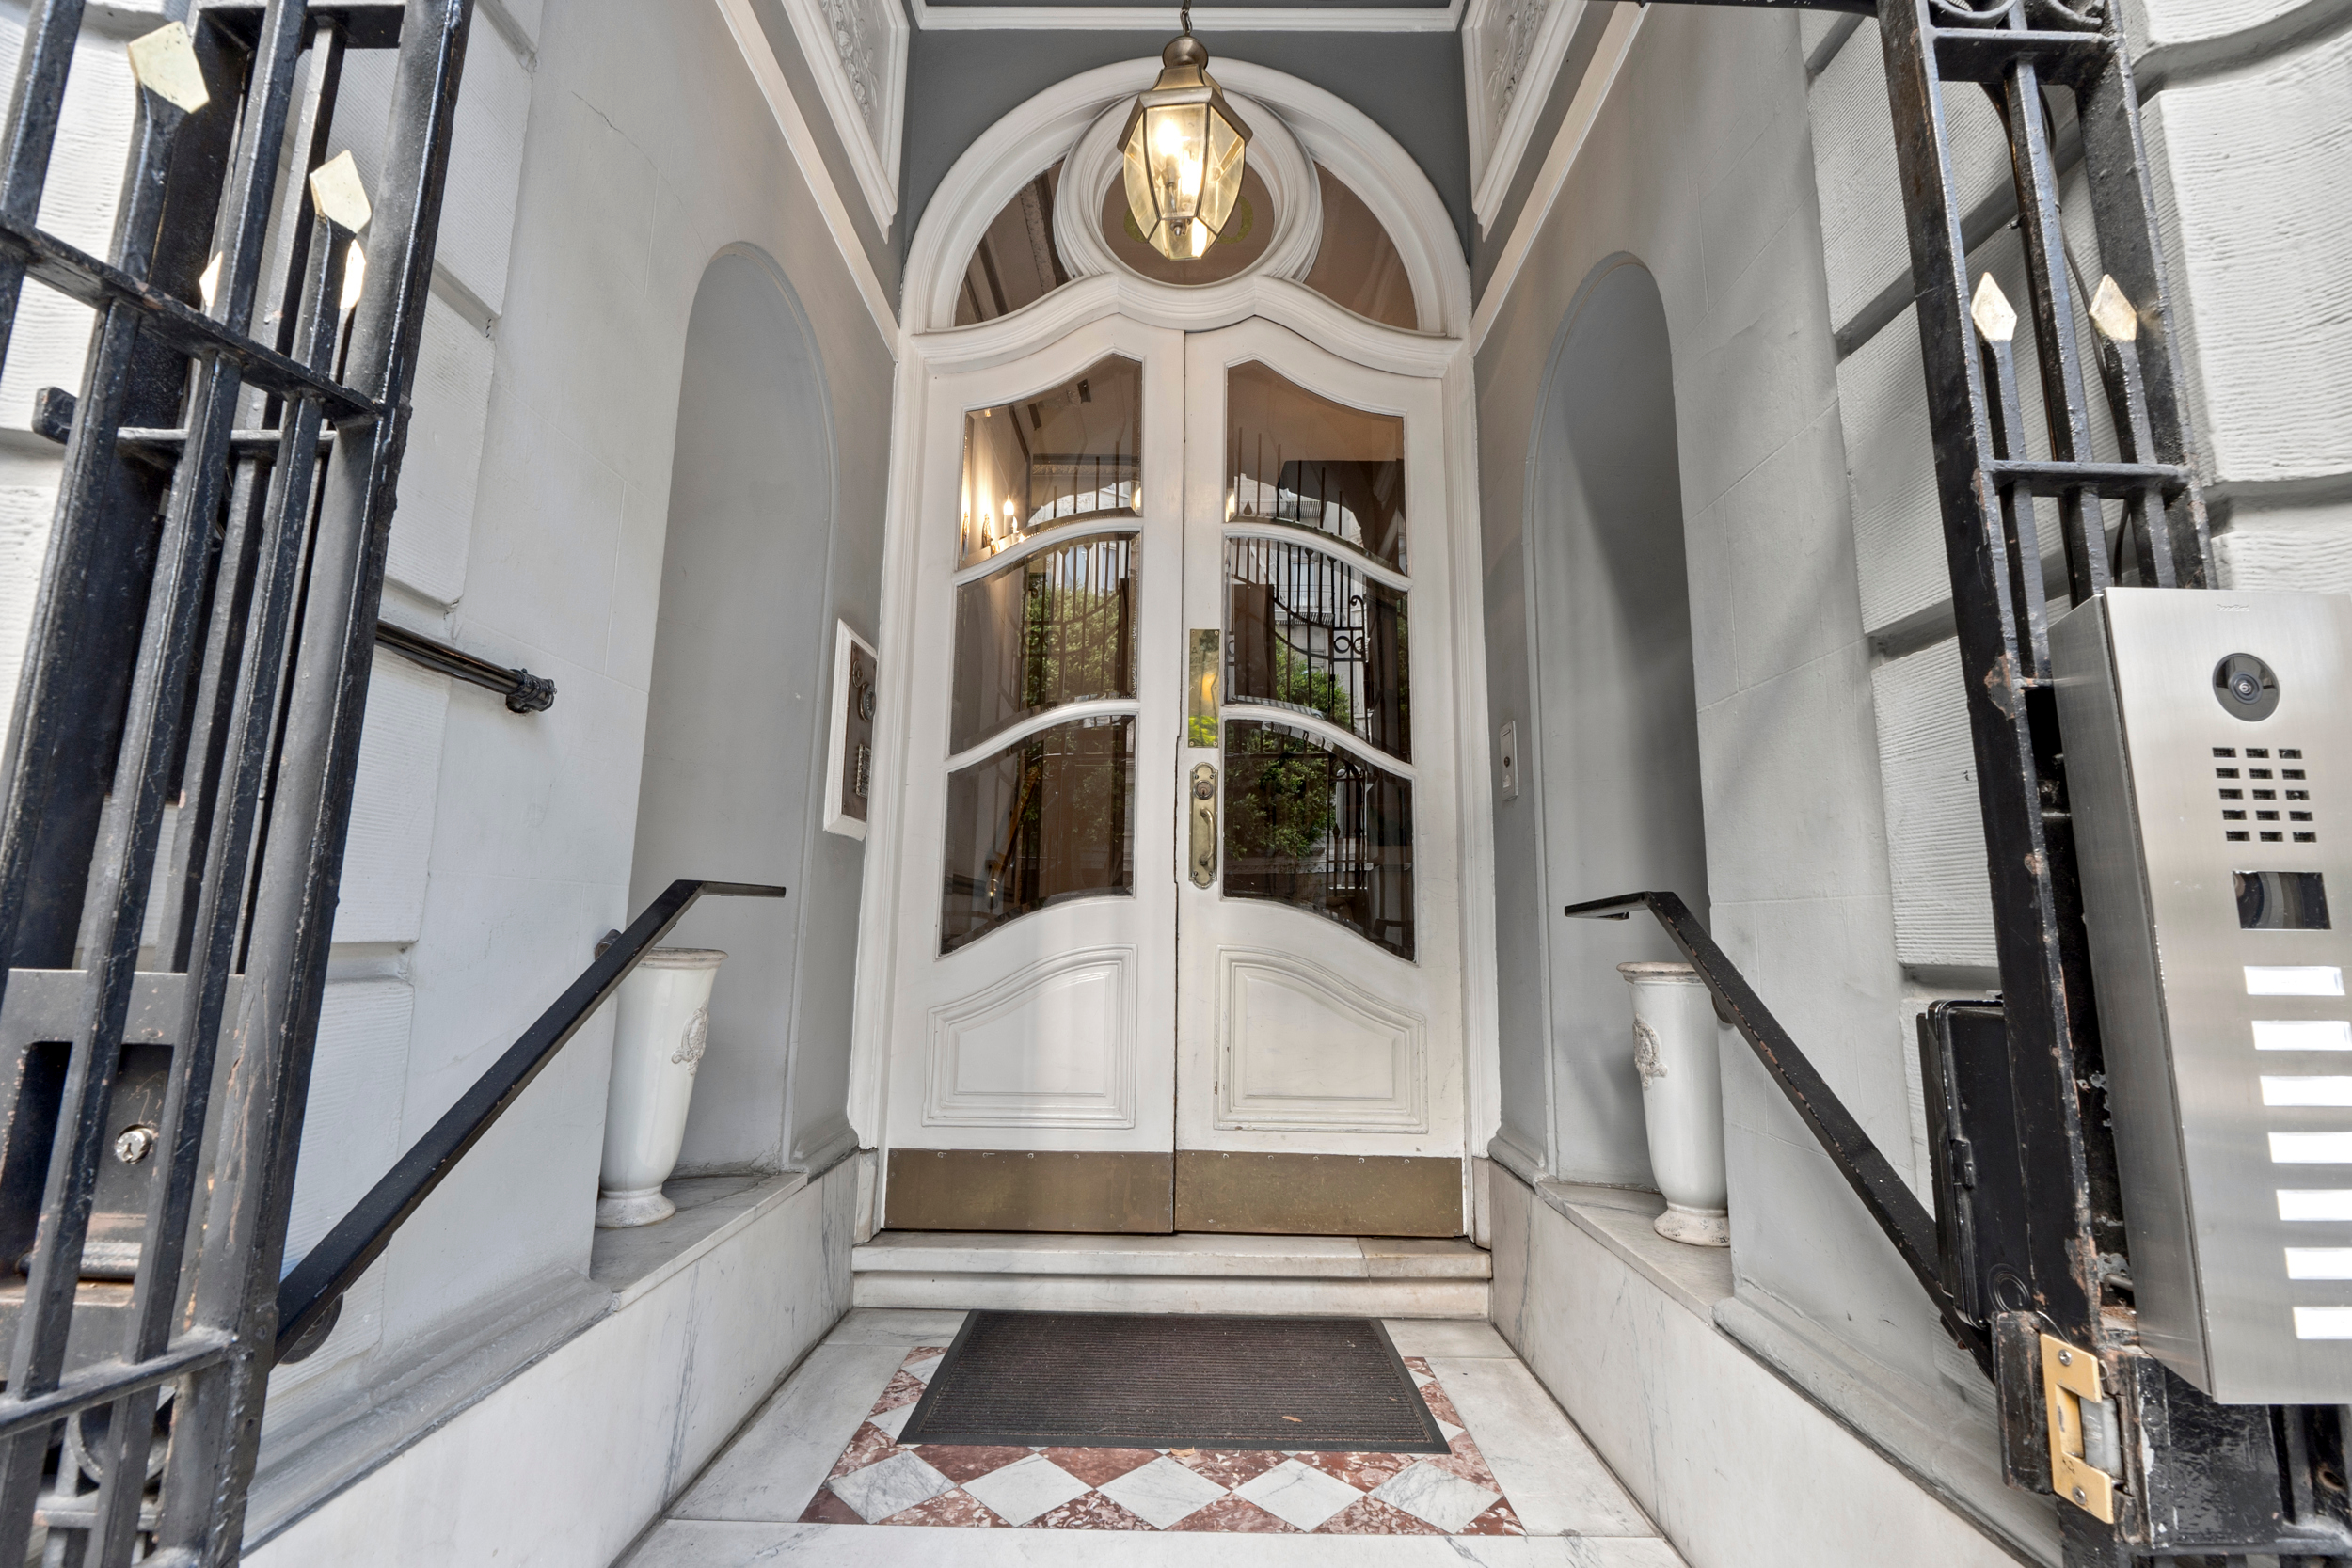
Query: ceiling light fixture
[(1184, 149)]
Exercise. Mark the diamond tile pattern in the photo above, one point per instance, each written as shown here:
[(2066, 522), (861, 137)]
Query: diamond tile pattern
[(876, 1481)]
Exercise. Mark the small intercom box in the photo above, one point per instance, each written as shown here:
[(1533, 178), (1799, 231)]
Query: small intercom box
[(2206, 767)]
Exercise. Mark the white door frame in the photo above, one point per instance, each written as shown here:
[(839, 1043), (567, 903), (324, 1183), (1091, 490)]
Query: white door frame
[(1027, 141)]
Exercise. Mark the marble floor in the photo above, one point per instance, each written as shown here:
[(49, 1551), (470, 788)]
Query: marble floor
[(817, 1476)]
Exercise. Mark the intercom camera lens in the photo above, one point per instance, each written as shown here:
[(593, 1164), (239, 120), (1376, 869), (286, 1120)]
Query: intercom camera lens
[(2246, 686)]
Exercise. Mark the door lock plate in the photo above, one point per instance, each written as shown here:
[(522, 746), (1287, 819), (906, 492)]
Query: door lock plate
[(2074, 1399), (1202, 811)]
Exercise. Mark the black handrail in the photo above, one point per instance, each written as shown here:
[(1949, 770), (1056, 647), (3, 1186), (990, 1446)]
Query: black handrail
[(309, 1298), (524, 691), (1885, 1194)]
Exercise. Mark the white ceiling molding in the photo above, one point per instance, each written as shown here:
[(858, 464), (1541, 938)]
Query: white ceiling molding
[(805, 152), (1616, 42), (1205, 19), (1511, 51), (1275, 156), (857, 51), (1342, 139)]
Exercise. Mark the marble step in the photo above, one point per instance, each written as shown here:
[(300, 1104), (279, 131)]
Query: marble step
[(1383, 1276)]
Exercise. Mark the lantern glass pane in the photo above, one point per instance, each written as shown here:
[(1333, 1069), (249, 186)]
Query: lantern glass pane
[(1177, 138), (1221, 175), (1143, 211)]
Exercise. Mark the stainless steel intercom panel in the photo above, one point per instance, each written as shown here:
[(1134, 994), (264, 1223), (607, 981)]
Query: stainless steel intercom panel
[(2209, 773)]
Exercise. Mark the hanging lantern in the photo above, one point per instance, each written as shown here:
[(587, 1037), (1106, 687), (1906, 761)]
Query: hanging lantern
[(1185, 149)]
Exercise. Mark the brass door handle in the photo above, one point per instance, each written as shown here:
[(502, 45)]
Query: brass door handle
[(1203, 813)]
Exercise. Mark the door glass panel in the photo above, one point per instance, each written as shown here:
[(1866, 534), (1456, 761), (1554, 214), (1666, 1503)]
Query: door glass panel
[(1319, 829), (1065, 456), (1300, 459), (1045, 819), (1305, 630), (1055, 626)]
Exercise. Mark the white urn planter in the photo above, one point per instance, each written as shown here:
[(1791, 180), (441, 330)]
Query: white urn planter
[(658, 1040), (1682, 1099)]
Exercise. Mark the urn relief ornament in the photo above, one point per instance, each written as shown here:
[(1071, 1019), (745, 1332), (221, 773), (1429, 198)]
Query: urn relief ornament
[(661, 1029)]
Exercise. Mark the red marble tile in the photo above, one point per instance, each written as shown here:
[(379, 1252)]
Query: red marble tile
[(1417, 1364), (958, 1508), (1440, 1407), (827, 1509), (1363, 1471), (1468, 1463), (962, 1462), (1088, 1511), (1497, 1520), (922, 1353), (905, 1388), (870, 1446), (1096, 1465), (1228, 1466), (1234, 1516), (1370, 1516)]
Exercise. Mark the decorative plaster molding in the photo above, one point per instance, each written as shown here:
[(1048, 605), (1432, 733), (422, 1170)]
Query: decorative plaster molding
[(1210, 19), (761, 58), (1511, 51), (1616, 42), (857, 51)]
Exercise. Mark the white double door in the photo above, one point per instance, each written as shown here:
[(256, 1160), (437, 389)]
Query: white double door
[(1177, 938)]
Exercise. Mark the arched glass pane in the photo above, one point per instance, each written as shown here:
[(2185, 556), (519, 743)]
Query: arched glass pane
[(1319, 829), (1305, 630), (1055, 626), (1356, 266), (1048, 818), (1015, 263), (1300, 459), (1065, 456)]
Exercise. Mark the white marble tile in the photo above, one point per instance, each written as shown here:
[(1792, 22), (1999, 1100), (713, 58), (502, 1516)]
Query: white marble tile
[(1162, 1491), (702, 1544), (883, 1488), (1440, 1496), (1556, 1483), (891, 1422), (1423, 1257), (1299, 1494), (921, 1371), (776, 1464), (887, 1325), (1017, 1292), (1026, 1488), (1445, 1337)]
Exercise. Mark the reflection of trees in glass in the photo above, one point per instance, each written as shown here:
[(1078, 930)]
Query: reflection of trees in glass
[(1046, 819), (1055, 626), (1319, 829)]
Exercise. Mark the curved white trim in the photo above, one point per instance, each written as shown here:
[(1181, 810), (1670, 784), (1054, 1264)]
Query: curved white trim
[(1069, 530), (1196, 310), (1274, 152), (1044, 718), (1322, 544), (1334, 134), (1316, 727)]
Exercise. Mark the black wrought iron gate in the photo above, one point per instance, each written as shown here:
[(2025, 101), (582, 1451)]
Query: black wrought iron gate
[(202, 644)]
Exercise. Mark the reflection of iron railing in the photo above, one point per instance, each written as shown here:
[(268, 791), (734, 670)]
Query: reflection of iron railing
[(1317, 828), (1307, 631)]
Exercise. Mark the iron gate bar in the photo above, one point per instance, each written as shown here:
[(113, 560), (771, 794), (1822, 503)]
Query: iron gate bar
[(318, 1282), (1884, 1193)]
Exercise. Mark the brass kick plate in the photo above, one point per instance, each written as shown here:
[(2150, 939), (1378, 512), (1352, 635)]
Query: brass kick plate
[(2070, 1376)]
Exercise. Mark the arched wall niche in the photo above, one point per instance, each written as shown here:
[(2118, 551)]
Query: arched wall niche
[(1612, 759), (1073, 120), (734, 762)]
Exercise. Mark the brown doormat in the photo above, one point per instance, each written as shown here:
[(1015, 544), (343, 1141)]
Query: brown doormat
[(1138, 1380)]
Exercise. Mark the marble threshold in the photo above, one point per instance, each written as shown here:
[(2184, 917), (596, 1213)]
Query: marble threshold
[(1375, 1277)]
